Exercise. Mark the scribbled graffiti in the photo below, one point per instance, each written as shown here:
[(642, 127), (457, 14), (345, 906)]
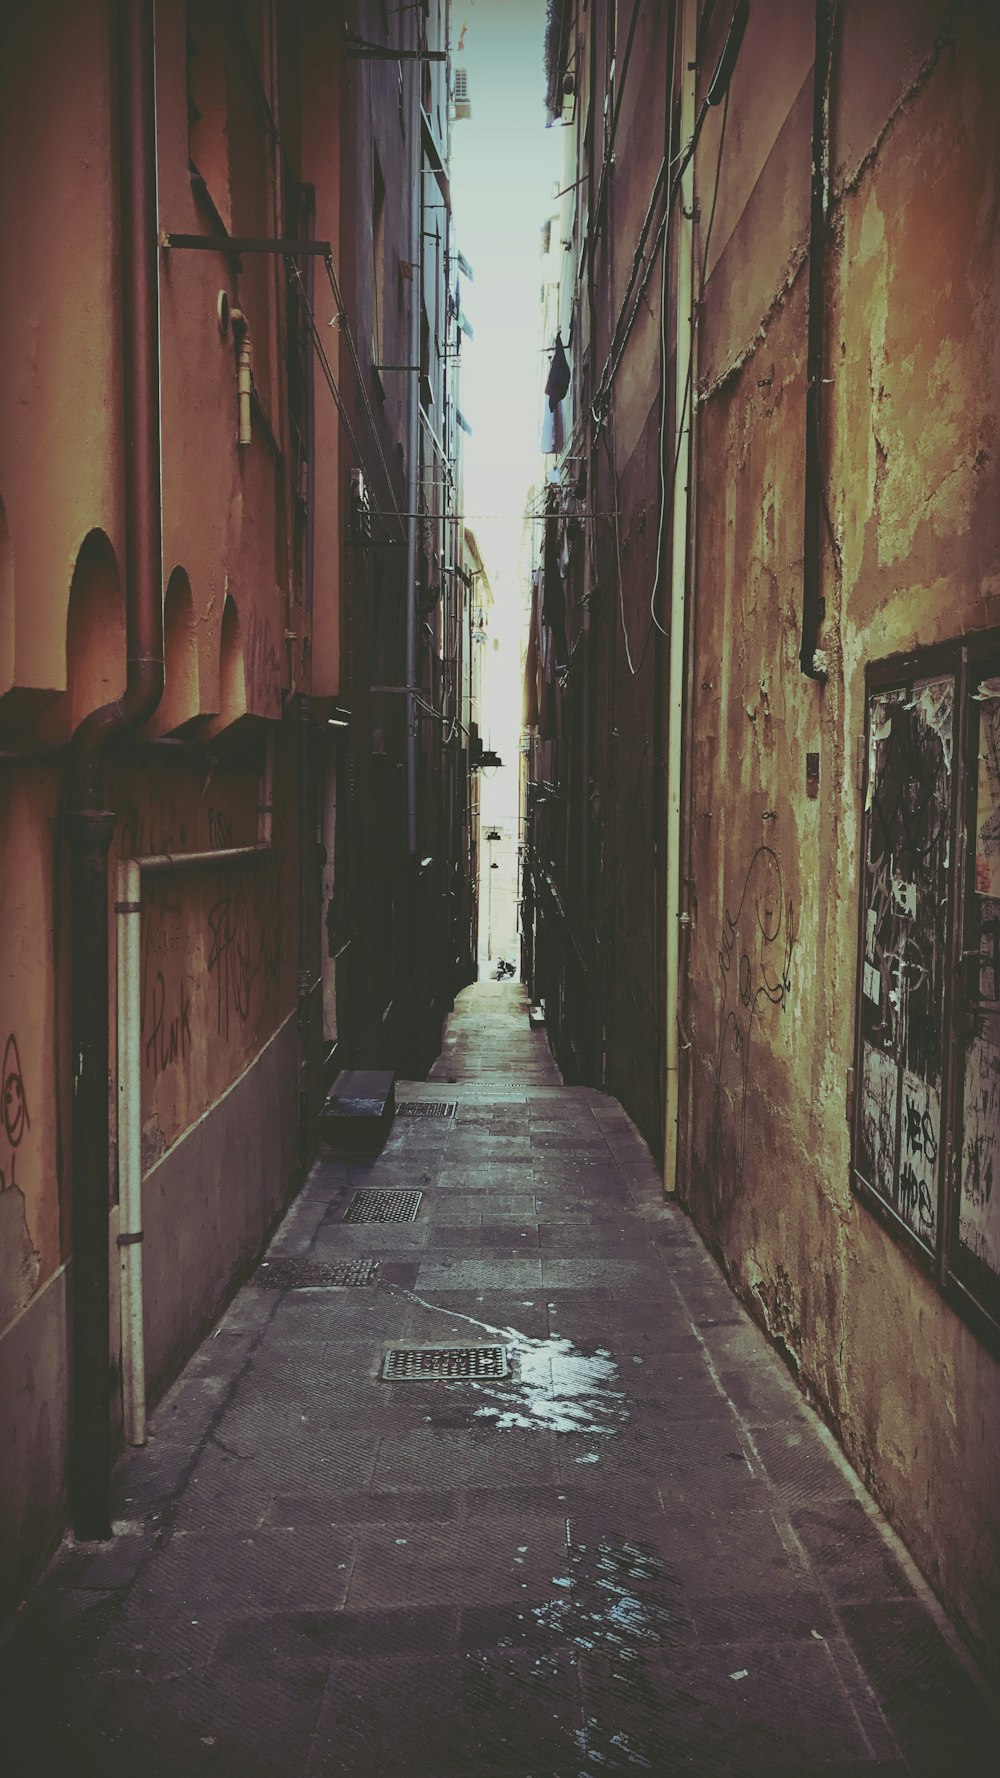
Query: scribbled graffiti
[(262, 664), (14, 1113), (905, 933), (164, 998), (158, 828), (220, 828), (169, 1039), (755, 958), (230, 958)]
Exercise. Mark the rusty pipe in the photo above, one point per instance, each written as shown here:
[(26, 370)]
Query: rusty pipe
[(90, 825)]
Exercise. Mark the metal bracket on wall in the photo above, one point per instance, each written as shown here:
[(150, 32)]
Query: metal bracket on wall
[(243, 244)]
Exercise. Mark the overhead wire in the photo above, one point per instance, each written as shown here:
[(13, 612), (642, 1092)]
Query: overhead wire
[(684, 416), (346, 330)]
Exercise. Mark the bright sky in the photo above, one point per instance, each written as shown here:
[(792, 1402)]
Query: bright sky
[(504, 169), (504, 166)]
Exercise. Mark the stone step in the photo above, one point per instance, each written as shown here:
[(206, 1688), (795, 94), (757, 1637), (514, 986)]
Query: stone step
[(359, 1110)]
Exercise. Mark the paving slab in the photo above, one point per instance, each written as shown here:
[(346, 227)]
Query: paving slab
[(637, 1550)]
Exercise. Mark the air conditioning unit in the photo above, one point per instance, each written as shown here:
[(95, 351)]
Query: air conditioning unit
[(460, 94)]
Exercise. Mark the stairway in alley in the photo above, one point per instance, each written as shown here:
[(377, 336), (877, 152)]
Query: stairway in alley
[(591, 1529)]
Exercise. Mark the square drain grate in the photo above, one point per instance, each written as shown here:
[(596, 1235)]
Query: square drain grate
[(418, 1364), (427, 1108), (311, 1274), (379, 1206)]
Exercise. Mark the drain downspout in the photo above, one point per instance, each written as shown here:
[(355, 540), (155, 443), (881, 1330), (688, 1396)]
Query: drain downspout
[(90, 824), (307, 982), (684, 406), (128, 909), (412, 456), (811, 657)]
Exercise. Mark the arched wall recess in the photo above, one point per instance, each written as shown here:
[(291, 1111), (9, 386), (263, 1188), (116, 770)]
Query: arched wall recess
[(181, 701), (232, 674), (95, 631)]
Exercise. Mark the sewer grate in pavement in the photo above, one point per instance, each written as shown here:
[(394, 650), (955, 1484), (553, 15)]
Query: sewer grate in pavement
[(383, 1206), (494, 1093), (417, 1364), (311, 1274), (427, 1108)]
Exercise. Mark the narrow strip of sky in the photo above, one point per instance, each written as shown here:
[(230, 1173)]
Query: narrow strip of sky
[(504, 167)]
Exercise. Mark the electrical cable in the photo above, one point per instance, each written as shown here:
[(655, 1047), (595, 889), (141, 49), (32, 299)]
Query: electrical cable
[(664, 309), (718, 89), (331, 379), (347, 330), (686, 397), (610, 148)]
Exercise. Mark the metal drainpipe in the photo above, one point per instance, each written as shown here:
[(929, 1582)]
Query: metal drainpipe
[(811, 658), (90, 824), (412, 458), (684, 375), (307, 863)]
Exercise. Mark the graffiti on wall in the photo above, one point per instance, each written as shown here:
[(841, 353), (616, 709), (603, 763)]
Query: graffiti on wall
[(756, 942), (904, 937), (14, 1115), (979, 1174), (212, 960)]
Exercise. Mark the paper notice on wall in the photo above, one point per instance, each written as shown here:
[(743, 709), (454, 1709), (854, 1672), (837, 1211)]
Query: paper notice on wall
[(979, 1204), (879, 1099), (880, 730), (919, 1143), (988, 804), (873, 984)]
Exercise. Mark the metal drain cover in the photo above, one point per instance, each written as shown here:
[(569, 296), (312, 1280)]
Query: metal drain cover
[(419, 1364), (379, 1206), (310, 1274), (427, 1108)]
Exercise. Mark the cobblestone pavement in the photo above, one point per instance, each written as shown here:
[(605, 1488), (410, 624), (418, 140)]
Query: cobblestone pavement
[(636, 1552)]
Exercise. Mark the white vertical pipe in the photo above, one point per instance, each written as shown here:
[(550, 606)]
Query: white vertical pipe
[(684, 405), (413, 443), (128, 909)]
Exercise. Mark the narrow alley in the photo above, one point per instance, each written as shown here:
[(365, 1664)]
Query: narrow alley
[(606, 1536)]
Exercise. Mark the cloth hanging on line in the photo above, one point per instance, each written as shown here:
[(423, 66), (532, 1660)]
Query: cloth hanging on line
[(556, 387)]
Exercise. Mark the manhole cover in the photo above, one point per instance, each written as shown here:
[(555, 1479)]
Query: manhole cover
[(310, 1274), (416, 1364), (376, 1206), (496, 1093), (427, 1108)]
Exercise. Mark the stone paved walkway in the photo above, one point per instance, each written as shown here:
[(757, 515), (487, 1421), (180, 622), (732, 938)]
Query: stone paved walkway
[(638, 1552)]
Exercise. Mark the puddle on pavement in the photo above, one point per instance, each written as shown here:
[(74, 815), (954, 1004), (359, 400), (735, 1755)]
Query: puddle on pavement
[(617, 1596), (553, 1386), (617, 1602)]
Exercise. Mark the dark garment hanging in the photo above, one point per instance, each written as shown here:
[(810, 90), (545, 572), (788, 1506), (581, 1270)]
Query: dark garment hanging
[(557, 385)]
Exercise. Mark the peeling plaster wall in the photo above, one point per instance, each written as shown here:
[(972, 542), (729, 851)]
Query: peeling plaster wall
[(910, 471), (220, 1090)]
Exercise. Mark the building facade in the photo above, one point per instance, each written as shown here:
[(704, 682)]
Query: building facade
[(760, 891), (235, 644)]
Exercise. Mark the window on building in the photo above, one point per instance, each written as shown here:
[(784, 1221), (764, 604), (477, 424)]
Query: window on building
[(926, 1140)]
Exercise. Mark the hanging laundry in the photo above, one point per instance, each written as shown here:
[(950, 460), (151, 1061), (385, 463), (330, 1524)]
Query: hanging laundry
[(557, 384), (556, 387)]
